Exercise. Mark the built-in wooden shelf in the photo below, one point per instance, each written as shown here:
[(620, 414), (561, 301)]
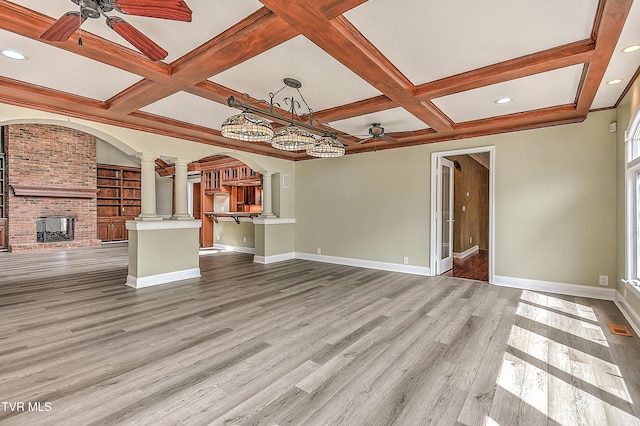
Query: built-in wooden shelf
[(55, 192)]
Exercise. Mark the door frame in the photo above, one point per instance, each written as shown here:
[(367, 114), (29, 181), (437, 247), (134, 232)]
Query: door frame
[(447, 262), (434, 250)]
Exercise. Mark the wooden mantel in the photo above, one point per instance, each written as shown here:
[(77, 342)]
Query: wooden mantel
[(55, 192)]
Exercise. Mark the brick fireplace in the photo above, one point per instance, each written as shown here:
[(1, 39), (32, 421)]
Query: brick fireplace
[(51, 171)]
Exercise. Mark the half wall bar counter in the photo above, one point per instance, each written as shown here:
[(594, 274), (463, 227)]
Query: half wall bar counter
[(162, 251)]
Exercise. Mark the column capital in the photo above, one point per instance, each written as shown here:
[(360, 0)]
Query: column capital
[(145, 156), (181, 162)]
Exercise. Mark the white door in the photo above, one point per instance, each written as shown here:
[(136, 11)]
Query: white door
[(445, 215)]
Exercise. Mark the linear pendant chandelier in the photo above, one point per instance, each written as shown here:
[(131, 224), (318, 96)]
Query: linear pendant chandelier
[(251, 125)]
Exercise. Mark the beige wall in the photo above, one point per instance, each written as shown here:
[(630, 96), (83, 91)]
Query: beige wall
[(230, 233), (554, 203), (628, 107)]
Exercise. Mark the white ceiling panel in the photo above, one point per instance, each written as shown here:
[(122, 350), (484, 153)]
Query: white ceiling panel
[(429, 40), (558, 87), (177, 38), (192, 109), (69, 73), (393, 120), (325, 82)]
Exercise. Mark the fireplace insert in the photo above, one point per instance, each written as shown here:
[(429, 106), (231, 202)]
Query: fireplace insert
[(54, 228)]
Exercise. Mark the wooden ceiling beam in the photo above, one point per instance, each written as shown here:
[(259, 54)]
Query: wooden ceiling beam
[(563, 114), (354, 109), (333, 8), (340, 39), (255, 34), (608, 27), (547, 60), (26, 95)]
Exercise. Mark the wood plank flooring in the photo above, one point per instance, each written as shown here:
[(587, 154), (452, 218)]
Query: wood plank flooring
[(473, 267), (300, 343)]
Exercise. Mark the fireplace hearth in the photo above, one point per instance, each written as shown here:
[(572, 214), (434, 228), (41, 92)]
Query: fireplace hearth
[(54, 228)]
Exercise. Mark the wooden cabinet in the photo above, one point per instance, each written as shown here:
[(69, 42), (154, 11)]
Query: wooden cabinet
[(3, 198), (112, 229), (3, 234), (119, 200), (212, 182), (3, 202)]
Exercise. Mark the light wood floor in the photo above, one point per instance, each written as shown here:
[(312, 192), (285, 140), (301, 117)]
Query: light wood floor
[(300, 343)]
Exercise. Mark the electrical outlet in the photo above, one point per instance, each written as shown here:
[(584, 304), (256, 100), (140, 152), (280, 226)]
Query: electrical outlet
[(318, 250), (405, 260), (470, 240), (244, 239), (604, 280), (217, 237)]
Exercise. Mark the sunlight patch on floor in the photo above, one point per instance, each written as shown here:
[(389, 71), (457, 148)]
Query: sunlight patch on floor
[(563, 383)]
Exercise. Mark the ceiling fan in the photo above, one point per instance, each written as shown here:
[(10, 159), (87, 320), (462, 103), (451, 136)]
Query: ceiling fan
[(376, 133), (70, 22)]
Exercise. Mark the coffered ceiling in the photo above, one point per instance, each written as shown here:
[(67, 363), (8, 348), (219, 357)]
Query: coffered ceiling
[(428, 71)]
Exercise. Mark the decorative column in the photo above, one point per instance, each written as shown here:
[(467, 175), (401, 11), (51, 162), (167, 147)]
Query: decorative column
[(266, 194), (180, 188), (148, 188)]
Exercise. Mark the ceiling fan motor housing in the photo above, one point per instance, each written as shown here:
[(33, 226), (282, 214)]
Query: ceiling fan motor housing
[(376, 130), (92, 8)]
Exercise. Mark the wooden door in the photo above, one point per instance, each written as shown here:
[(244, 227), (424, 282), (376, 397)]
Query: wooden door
[(118, 230), (104, 225)]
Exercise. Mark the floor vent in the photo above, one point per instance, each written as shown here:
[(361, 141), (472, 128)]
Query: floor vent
[(620, 330)]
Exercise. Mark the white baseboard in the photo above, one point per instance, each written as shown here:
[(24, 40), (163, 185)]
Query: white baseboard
[(628, 312), (603, 293), (141, 282), (265, 260), (467, 252), (224, 247), (384, 266)]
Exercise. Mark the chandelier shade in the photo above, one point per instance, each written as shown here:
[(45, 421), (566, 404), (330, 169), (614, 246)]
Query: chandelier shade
[(293, 138), (247, 127), (252, 125), (326, 147)]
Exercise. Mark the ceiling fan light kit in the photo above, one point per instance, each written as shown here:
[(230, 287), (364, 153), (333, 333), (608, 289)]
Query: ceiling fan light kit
[(70, 22), (297, 136)]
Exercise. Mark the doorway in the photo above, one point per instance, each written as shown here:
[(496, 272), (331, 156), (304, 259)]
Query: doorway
[(462, 201)]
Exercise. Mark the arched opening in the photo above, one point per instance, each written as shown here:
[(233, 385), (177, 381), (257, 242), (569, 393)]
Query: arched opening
[(225, 193)]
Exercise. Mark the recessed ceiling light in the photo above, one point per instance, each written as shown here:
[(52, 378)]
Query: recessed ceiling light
[(615, 81), (631, 48), (14, 54), (503, 100)]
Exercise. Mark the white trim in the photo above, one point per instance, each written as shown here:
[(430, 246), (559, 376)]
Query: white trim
[(592, 292), (384, 266), (230, 219), (265, 260), (434, 251), (467, 252), (154, 225), (273, 220), (141, 282), (631, 316), (239, 249)]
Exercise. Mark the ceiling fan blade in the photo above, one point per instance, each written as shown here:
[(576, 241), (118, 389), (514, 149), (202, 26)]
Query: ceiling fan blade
[(176, 10), (390, 139), (141, 42), (64, 27)]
